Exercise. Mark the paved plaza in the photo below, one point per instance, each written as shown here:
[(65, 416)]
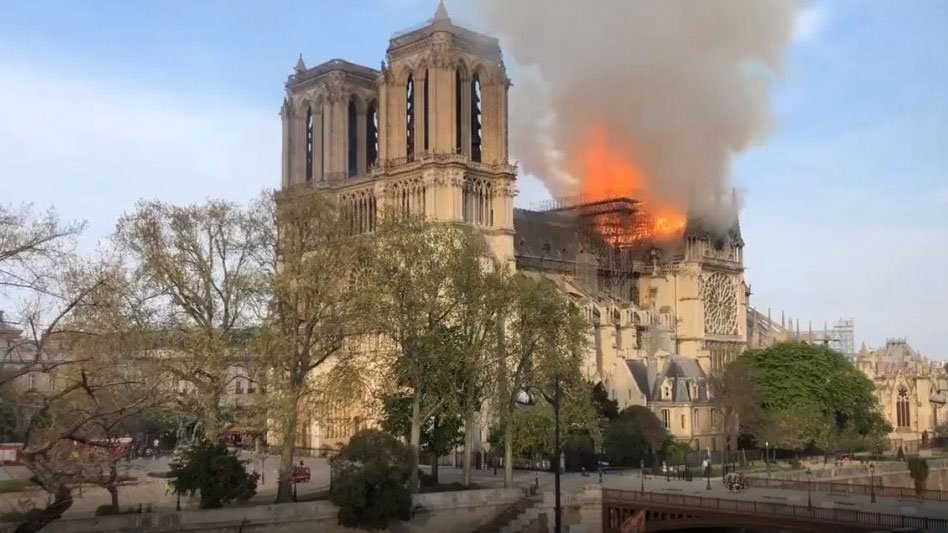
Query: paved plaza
[(149, 491)]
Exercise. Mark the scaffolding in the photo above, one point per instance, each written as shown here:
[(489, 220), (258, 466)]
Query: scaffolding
[(614, 236)]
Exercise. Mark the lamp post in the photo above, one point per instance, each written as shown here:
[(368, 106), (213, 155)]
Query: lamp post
[(767, 457), (707, 472), (872, 483), (557, 509), (809, 489), (525, 398), (642, 473)]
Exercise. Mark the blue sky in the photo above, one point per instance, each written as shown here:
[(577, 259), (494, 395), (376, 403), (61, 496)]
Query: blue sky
[(106, 102)]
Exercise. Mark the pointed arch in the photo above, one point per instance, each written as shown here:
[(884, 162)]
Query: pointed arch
[(372, 134), (476, 116), (352, 131), (410, 117), (310, 143), (902, 411)]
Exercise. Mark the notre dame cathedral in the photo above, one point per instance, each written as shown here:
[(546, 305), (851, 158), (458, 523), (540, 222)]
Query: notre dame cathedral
[(427, 134)]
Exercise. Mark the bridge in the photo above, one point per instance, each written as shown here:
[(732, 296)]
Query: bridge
[(664, 512)]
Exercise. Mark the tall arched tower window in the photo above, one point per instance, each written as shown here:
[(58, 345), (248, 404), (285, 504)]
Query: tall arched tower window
[(427, 110), (475, 118), (372, 134), (457, 112), (902, 414), (353, 130), (409, 118), (309, 143)]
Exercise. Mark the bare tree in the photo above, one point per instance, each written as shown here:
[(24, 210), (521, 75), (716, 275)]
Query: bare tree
[(313, 277), (197, 266), (30, 244), (74, 341)]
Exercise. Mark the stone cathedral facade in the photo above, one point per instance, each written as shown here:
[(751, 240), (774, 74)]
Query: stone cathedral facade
[(427, 133)]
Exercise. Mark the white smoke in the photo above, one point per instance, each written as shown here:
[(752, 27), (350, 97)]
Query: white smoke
[(686, 82)]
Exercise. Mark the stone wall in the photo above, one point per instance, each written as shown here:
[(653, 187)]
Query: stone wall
[(443, 511)]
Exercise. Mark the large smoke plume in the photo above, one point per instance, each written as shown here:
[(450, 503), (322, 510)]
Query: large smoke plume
[(679, 85)]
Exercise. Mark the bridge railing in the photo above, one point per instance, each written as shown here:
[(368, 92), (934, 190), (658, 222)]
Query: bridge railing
[(614, 499), (846, 488)]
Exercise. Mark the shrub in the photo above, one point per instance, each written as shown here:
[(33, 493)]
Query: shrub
[(105, 510), (918, 469), (370, 480), (215, 472), (633, 436)]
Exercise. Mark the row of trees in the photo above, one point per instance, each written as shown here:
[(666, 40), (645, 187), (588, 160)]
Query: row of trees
[(154, 321)]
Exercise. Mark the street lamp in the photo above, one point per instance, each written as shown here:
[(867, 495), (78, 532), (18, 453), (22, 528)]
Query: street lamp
[(872, 483), (809, 489), (642, 473), (767, 457), (525, 398)]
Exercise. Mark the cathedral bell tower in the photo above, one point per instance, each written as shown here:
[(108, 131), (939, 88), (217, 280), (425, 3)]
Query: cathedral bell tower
[(424, 135)]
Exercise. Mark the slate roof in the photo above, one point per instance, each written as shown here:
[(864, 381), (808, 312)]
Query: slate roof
[(540, 234), (681, 370)]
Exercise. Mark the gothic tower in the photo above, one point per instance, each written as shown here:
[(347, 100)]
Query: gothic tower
[(425, 135), (700, 295)]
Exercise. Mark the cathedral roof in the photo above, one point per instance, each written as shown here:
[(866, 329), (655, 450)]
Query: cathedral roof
[(478, 43), (545, 235), (704, 228), (304, 74), (679, 369)]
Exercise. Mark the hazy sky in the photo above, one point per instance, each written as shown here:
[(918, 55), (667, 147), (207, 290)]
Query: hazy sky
[(106, 102)]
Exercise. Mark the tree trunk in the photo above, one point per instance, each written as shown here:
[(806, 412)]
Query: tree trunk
[(434, 468), (62, 501), (287, 450), (468, 447), (415, 437), (113, 485), (508, 451), (211, 418)]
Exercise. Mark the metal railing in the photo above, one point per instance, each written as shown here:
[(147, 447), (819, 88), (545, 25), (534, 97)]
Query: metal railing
[(613, 498), (846, 488)]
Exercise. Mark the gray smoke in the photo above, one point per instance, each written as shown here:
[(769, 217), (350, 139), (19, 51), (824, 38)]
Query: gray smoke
[(684, 83)]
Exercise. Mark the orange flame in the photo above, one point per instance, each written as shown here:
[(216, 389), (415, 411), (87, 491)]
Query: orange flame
[(610, 170)]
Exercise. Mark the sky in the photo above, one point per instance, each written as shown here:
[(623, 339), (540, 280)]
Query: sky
[(103, 103)]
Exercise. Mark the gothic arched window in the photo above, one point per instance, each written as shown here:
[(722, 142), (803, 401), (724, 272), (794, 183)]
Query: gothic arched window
[(475, 118), (902, 414), (372, 135), (457, 111), (410, 118), (427, 112), (309, 144), (353, 139)]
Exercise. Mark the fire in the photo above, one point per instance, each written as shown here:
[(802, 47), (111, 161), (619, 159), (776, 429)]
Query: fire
[(610, 170)]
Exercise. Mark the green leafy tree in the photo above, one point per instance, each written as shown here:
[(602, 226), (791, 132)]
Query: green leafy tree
[(918, 469), (441, 433), (415, 305), (477, 287), (543, 347), (607, 408), (635, 434), (311, 272), (809, 395), (215, 472), (370, 480)]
